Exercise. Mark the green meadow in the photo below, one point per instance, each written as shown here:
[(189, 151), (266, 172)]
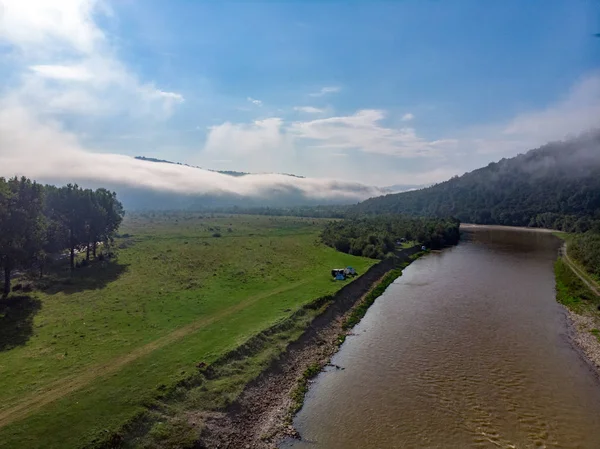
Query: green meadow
[(80, 355)]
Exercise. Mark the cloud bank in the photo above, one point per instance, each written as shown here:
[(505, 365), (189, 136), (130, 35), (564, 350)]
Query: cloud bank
[(44, 151)]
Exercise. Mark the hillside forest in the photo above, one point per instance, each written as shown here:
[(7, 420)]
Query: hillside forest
[(38, 222), (555, 186), (376, 236)]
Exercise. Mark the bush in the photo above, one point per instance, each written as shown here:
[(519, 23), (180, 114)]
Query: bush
[(342, 244), (216, 234), (370, 251)]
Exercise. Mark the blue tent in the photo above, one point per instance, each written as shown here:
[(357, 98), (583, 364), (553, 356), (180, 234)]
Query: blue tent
[(340, 277)]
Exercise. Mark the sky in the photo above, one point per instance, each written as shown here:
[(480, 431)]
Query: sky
[(377, 93)]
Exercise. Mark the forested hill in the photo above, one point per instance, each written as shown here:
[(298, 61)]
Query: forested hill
[(556, 186)]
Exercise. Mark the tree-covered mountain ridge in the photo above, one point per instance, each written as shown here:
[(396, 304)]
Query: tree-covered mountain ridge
[(555, 186)]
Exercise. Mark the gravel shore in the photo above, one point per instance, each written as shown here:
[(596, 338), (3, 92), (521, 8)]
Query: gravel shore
[(582, 336)]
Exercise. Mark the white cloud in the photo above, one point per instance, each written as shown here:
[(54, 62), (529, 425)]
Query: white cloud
[(169, 95), (273, 144), (259, 146), (577, 112), (254, 138), (325, 91), (168, 100), (42, 26), (69, 65), (254, 101), (63, 72), (363, 132), (309, 109), (407, 117)]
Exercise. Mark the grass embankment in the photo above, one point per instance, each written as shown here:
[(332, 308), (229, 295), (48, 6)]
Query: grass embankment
[(572, 292), (580, 298), (91, 352)]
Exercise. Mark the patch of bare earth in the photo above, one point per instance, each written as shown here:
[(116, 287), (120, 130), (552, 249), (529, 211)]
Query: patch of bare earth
[(261, 417)]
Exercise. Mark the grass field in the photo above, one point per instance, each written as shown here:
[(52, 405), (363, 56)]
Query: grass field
[(572, 292), (89, 352)]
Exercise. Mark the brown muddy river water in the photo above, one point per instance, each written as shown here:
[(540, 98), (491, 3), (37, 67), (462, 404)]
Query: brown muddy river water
[(468, 349)]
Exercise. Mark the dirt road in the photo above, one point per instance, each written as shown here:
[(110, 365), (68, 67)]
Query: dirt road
[(591, 284)]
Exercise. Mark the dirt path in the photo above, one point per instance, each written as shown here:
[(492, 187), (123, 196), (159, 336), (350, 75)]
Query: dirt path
[(591, 284), (66, 385)]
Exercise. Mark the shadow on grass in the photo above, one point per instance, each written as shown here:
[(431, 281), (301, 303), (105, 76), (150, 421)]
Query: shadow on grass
[(16, 320), (92, 277)]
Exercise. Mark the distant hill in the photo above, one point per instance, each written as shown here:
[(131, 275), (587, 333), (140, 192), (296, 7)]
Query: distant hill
[(556, 186), (224, 172), (398, 188)]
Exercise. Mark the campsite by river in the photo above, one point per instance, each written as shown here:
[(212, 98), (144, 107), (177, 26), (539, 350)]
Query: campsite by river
[(468, 348)]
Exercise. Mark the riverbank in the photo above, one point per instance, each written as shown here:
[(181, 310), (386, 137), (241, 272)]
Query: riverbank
[(262, 414), (467, 226), (579, 296)]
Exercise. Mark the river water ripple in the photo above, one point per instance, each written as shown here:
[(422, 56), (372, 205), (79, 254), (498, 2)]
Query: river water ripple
[(468, 349)]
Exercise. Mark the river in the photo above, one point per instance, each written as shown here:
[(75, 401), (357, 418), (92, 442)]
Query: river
[(468, 349)]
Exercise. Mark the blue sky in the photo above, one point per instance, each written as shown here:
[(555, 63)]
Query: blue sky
[(397, 92)]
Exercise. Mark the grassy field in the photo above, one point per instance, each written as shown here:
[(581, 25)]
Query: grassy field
[(572, 292), (87, 353)]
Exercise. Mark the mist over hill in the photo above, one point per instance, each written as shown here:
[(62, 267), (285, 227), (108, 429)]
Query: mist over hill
[(197, 188), (556, 185)]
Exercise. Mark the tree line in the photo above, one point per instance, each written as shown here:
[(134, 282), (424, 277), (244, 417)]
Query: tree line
[(321, 211), (555, 186), (376, 236), (38, 221)]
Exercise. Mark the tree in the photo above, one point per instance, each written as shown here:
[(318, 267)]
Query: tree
[(69, 206), (376, 236), (22, 225), (108, 218)]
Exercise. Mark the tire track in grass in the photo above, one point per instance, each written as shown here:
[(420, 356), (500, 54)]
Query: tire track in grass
[(66, 385), (591, 284)]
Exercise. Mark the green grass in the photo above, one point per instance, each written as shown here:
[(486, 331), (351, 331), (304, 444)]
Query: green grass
[(572, 292), (409, 244), (301, 389), (568, 238), (170, 273), (562, 235)]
